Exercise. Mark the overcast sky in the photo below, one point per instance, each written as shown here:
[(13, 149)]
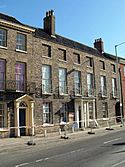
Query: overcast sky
[(80, 20)]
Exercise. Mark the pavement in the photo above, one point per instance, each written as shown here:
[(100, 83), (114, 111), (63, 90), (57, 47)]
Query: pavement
[(8, 144)]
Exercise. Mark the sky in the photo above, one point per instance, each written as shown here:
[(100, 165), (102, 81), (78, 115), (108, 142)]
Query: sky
[(80, 20)]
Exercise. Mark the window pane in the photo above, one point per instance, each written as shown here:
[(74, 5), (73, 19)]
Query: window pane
[(77, 82), (46, 79), (90, 83), (46, 112), (3, 37), (2, 74), (62, 81), (3, 116), (20, 76), (21, 42)]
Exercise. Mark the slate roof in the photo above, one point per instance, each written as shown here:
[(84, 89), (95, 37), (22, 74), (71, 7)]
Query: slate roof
[(40, 33), (9, 18)]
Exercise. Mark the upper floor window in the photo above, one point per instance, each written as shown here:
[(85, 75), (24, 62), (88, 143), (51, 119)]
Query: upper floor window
[(46, 79), (90, 84), (77, 58), (113, 68), (114, 87), (102, 65), (20, 76), (62, 54), (46, 50), (90, 61), (62, 81), (103, 86), (2, 74), (124, 70), (3, 37), (77, 82), (21, 42)]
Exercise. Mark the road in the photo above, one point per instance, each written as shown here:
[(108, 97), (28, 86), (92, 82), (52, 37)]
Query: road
[(103, 150)]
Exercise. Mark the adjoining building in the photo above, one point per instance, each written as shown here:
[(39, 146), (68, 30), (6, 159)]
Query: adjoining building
[(47, 79)]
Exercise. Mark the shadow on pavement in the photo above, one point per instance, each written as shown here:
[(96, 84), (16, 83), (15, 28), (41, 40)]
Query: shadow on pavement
[(119, 144)]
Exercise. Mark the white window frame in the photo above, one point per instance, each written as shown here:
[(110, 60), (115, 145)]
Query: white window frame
[(3, 38), (114, 87), (46, 113), (90, 84), (46, 79), (3, 116), (21, 42), (103, 85), (77, 82), (62, 81)]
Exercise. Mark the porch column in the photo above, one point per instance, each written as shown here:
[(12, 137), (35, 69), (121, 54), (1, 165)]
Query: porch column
[(17, 119), (87, 105), (82, 115), (32, 109), (94, 111), (85, 108), (76, 114)]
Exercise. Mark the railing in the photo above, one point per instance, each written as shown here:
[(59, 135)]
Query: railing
[(17, 86)]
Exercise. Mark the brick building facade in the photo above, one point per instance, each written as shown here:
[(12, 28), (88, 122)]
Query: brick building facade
[(47, 79)]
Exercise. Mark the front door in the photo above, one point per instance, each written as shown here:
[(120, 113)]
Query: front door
[(22, 121)]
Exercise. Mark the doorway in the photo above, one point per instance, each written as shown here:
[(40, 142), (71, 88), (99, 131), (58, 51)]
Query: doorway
[(22, 121)]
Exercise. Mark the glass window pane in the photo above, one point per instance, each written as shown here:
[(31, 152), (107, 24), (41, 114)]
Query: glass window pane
[(20, 76), (21, 42)]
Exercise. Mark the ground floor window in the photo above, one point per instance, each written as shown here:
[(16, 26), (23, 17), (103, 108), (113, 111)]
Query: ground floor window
[(64, 112), (104, 110), (3, 116), (90, 110), (47, 112)]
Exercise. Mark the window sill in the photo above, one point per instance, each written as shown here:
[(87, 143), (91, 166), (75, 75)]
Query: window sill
[(47, 125), (63, 94), (63, 61), (77, 64), (22, 51), (78, 95), (105, 119), (47, 93), (47, 57), (3, 47)]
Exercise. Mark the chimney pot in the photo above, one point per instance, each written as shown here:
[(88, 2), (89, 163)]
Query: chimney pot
[(47, 14), (52, 12), (49, 23), (98, 44)]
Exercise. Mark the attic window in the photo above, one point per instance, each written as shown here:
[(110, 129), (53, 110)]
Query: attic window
[(46, 50), (77, 58), (62, 54)]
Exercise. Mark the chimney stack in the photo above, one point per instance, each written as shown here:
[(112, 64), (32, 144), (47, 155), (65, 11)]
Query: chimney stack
[(98, 44), (49, 23)]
